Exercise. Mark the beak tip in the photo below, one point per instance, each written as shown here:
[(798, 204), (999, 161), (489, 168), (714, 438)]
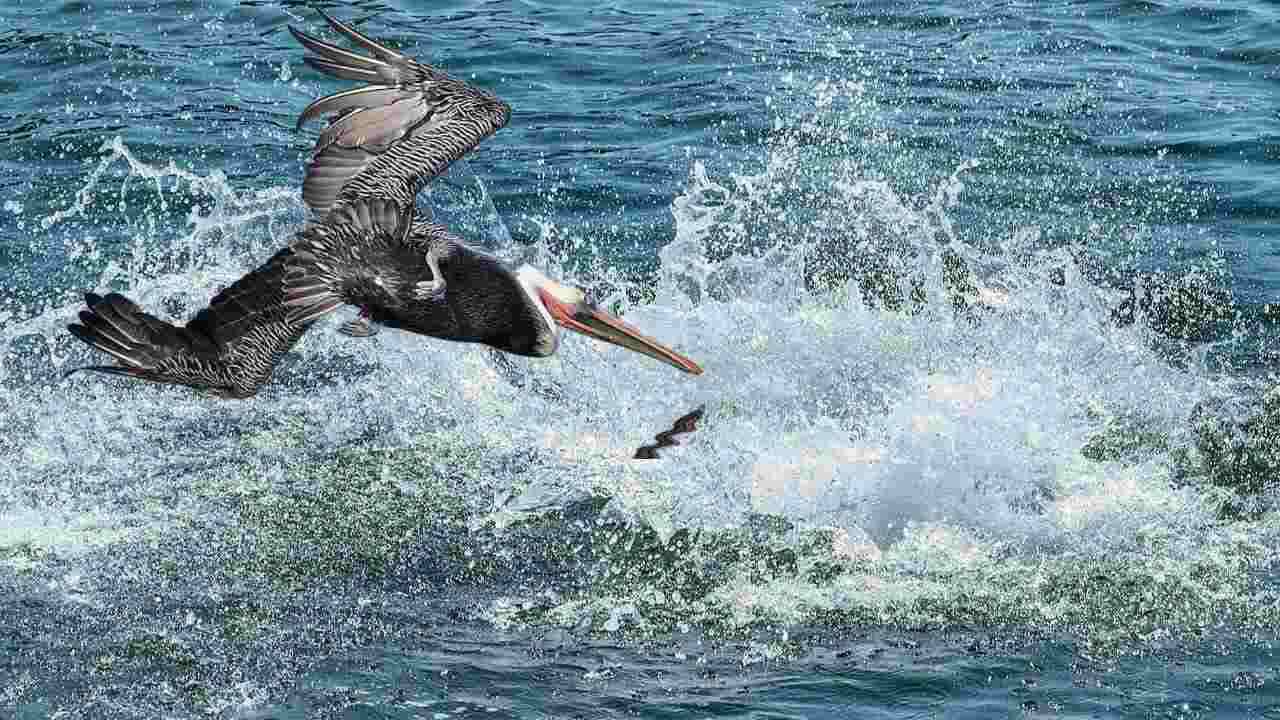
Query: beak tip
[(601, 325)]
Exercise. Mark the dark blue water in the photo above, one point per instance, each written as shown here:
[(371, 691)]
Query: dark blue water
[(983, 293)]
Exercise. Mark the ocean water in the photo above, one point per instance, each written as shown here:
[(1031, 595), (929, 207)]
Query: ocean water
[(983, 293)]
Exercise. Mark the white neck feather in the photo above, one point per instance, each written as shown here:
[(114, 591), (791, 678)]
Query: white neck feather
[(531, 278)]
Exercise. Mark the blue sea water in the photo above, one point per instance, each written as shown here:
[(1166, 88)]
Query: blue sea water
[(1029, 496)]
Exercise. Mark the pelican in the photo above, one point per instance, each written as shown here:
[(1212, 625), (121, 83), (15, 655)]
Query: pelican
[(387, 138)]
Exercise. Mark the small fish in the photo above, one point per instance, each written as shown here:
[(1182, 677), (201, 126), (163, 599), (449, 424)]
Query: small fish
[(686, 423)]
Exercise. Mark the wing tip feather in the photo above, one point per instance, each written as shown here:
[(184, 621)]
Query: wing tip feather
[(377, 48), (392, 106)]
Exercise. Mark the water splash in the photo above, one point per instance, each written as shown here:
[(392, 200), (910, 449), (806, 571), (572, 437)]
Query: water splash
[(893, 429), (869, 374)]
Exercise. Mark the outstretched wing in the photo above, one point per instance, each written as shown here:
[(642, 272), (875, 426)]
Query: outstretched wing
[(393, 134), (228, 348)]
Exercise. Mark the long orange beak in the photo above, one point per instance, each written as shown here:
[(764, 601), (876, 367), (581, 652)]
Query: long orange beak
[(592, 321)]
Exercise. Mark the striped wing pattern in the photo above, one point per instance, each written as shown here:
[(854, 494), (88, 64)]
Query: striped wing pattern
[(387, 138), (229, 348)]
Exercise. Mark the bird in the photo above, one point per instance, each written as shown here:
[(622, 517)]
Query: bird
[(364, 246)]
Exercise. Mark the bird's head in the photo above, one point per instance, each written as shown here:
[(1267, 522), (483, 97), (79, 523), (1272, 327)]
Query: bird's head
[(563, 306)]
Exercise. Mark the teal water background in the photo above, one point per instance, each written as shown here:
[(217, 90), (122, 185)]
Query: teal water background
[(885, 513)]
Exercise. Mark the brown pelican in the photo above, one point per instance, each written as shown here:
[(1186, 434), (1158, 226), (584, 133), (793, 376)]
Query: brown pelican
[(387, 138)]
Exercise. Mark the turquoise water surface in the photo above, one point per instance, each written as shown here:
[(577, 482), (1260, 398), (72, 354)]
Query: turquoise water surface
[(984, 293)]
